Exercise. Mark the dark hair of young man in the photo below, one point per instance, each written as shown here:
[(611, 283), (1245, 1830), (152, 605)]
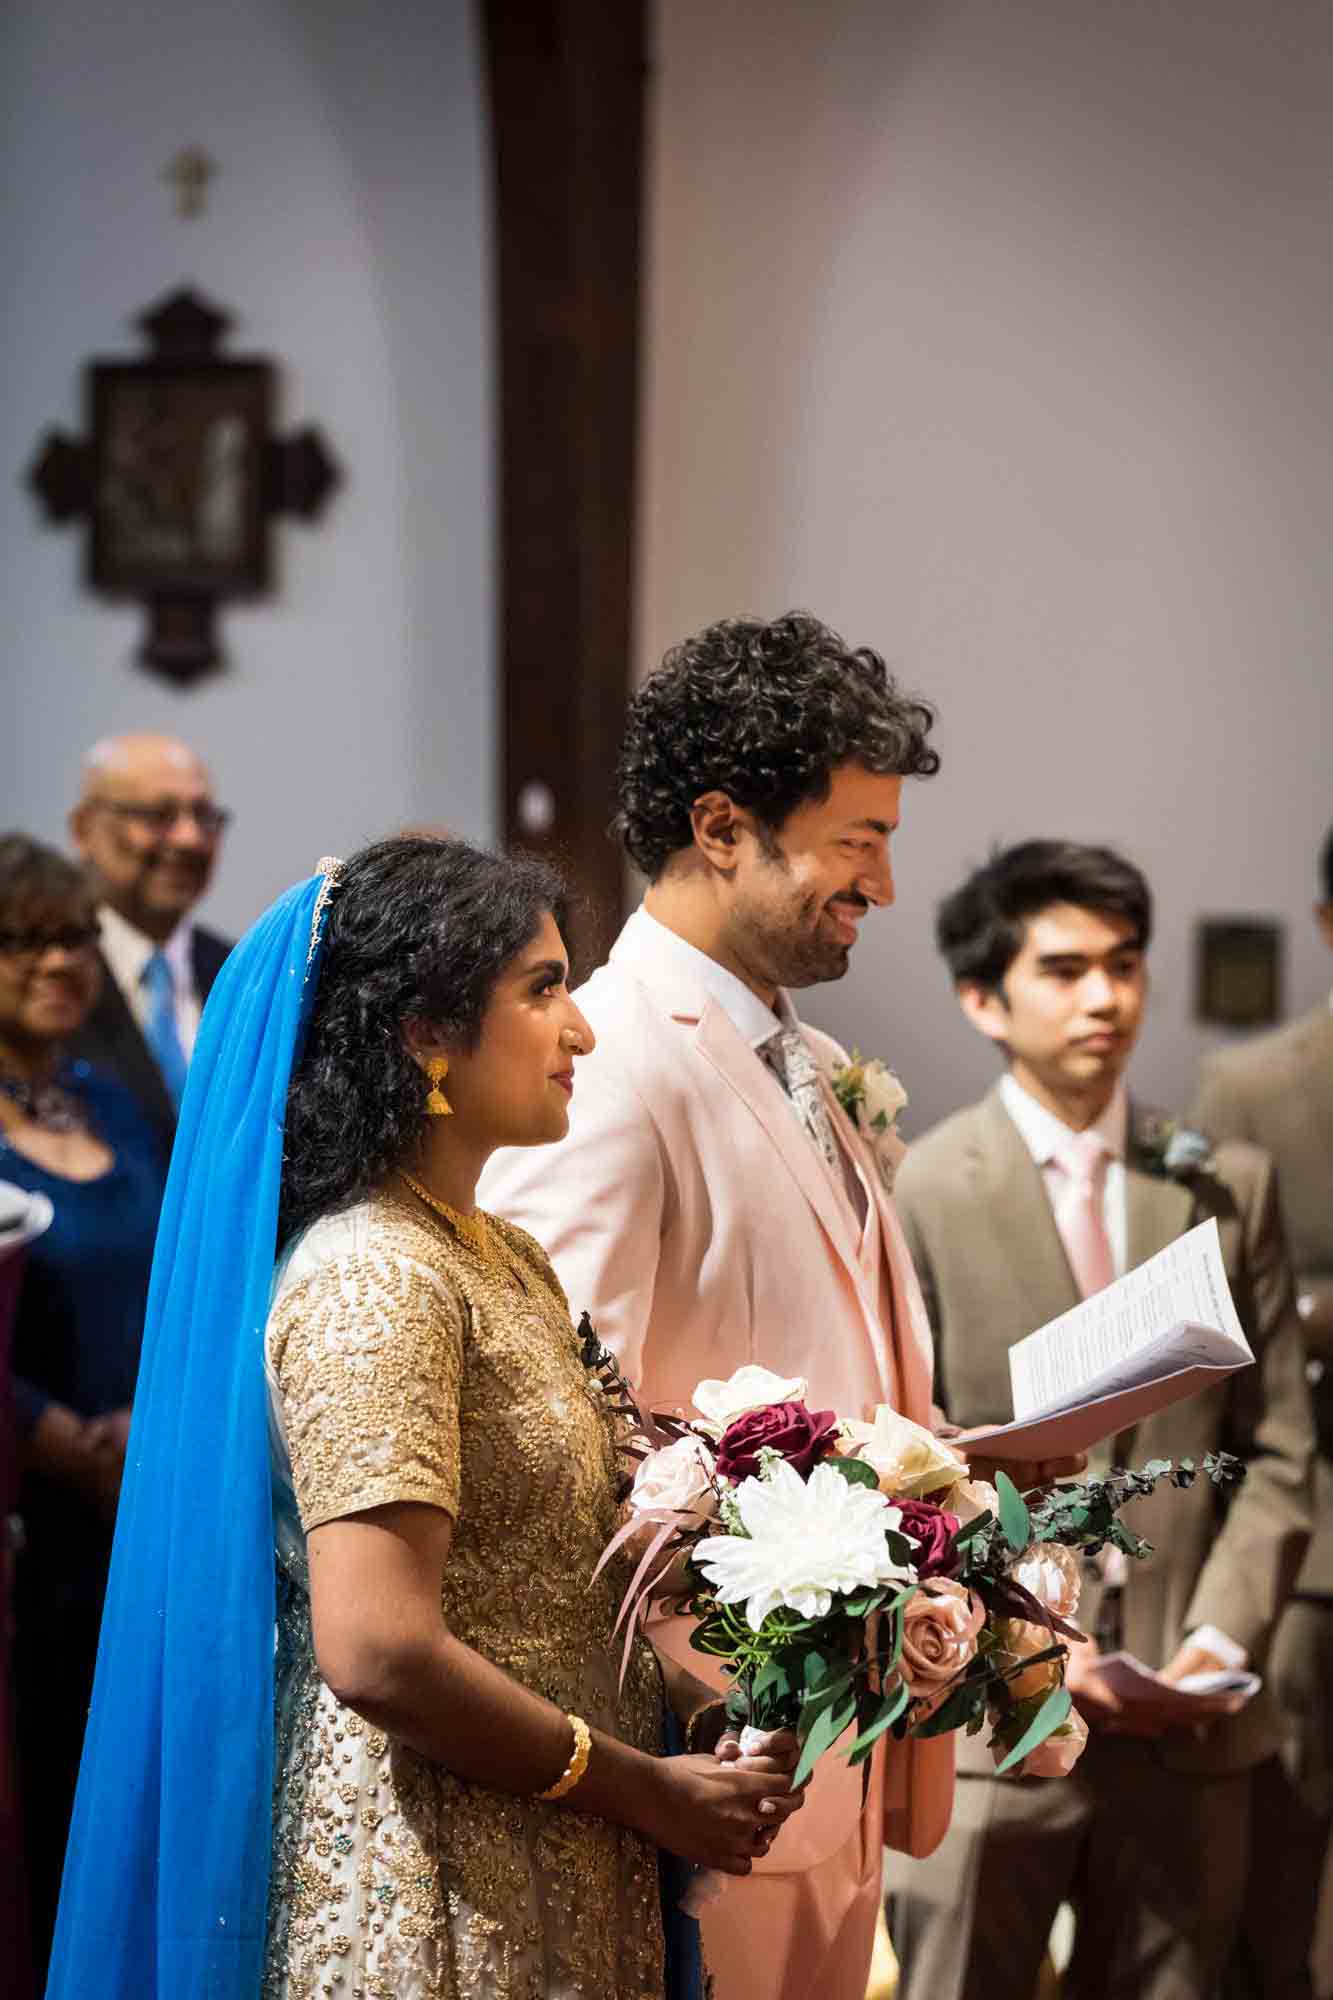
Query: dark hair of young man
[(980, 927), (765, 713), (1326, 867)]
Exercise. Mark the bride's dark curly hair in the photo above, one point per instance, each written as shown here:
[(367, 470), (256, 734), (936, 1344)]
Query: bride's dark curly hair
[(417, 929)]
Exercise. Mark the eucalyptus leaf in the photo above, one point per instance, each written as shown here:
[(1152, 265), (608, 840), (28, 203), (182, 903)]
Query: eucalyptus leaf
[(864, 1602), (960, 1708), (891, 1708), (771, 1681), (854, 1470), (819, 1670), (1046, 1721), (976, 1526), (900, 1549), (827, 1726), (1014, 1518)]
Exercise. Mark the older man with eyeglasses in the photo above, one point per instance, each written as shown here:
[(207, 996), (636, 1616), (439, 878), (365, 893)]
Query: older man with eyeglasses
[(150, 830)]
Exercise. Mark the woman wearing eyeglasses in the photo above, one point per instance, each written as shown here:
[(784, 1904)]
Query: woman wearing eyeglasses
[(75, 1136)]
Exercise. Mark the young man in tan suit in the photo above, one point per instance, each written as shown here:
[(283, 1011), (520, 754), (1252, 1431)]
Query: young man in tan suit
[(1278, 1093), (1014, 1208)]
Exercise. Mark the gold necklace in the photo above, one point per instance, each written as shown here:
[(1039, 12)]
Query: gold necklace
[(473, 1229)]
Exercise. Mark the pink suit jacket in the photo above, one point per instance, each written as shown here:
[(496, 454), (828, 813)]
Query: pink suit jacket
[(691, 1216)]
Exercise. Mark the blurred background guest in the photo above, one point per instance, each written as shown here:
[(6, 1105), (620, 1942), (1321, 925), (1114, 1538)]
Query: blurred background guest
[(1278, 1091), (76, 1137), (22, 1216), (150, 829)]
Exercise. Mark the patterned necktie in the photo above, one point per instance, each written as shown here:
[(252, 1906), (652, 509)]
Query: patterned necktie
[(788, 1056), (160, 1030), (1077, 1204)]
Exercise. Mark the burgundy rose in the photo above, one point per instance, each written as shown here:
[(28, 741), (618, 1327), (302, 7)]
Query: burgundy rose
[(801, 1435), (932, 1530)]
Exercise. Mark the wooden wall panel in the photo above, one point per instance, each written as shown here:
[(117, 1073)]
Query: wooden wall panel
[(566, 82)]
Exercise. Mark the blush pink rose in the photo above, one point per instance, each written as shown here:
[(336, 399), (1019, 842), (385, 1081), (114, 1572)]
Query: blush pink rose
[(1023, 1638), (940, 1627), (1057, 1756), (1052, 1573)]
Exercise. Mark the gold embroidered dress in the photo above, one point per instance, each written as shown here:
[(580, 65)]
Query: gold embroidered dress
[(404, 1364)]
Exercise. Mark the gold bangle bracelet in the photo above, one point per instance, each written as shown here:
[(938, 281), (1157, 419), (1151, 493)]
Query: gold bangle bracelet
[(699, 1721), (578, 1760)]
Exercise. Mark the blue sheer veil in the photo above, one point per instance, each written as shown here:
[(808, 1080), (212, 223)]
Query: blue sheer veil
[(166, 1879)]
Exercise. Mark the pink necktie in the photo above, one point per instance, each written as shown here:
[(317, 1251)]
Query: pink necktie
[(1078, 1210)]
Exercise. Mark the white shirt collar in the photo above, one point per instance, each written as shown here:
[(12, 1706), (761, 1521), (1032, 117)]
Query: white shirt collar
[(1043, 1133), (744, 1009), (127, 951)]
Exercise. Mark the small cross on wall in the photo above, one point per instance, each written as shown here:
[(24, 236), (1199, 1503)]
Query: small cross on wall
[(190, 172)]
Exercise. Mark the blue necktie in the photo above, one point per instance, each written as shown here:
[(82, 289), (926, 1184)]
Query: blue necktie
[(160, 1030)]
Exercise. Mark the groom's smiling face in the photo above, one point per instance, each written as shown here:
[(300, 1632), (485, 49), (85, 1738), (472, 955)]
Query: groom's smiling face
[(801, 893)]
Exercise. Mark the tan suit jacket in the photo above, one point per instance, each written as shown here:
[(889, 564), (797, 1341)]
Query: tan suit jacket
[(992, 1268), (1277, 1091)]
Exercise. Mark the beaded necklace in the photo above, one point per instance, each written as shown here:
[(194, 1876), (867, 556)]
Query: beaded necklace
[(47, 1104), (473, 1230)]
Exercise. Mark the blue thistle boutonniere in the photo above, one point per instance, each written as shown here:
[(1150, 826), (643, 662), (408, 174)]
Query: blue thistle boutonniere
[(1172, 1151)]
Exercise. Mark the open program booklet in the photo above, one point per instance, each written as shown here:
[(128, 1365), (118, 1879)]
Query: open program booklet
[(1161, 1333), (1136, 1685)]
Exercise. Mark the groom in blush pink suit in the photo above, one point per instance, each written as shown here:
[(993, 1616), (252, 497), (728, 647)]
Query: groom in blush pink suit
[(713, 1205)]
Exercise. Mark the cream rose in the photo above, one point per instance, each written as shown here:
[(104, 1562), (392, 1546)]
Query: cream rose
[(1051, 1572), (678, 1479), (910, 1462), (969, 1498), (884, 1096), (1057, 1756), (940, 1626), (750, 1388)]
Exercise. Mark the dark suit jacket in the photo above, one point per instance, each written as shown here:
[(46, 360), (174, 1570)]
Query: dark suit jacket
[(992, 1269), (111, 1040)]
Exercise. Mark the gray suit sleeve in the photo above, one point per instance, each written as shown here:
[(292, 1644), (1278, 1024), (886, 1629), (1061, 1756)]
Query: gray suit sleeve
[(1255, 1559), (1221, 1109)]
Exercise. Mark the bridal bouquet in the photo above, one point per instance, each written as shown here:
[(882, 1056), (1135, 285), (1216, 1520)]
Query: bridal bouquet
[(852, 1577)]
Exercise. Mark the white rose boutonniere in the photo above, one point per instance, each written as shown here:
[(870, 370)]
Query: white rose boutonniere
[(872, 1097)]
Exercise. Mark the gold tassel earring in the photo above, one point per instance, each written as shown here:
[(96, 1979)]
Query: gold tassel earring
[(437, 1104)]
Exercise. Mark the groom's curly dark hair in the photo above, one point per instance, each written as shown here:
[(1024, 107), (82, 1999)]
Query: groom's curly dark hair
[(418, 928), (765, 713)]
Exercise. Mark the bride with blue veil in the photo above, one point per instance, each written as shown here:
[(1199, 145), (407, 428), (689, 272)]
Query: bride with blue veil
[(357, 1726)]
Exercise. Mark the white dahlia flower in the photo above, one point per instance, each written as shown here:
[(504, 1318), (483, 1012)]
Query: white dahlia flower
[(807, 1541)]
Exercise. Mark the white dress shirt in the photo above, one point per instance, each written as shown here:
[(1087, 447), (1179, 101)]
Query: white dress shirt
[(1043, 1134), (127, 951), (749, 1017), (743, 1008)]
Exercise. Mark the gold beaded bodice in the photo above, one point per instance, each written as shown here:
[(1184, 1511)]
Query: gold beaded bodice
[(404, 1364)]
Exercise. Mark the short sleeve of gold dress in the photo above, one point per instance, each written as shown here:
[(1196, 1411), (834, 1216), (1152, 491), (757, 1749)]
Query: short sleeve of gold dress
[(410, 1359)]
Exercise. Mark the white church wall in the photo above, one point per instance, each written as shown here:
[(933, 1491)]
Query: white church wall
[(348, 230), (998, 337)]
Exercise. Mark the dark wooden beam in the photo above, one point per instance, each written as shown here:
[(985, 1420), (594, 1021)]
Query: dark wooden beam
[(566, 106)]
